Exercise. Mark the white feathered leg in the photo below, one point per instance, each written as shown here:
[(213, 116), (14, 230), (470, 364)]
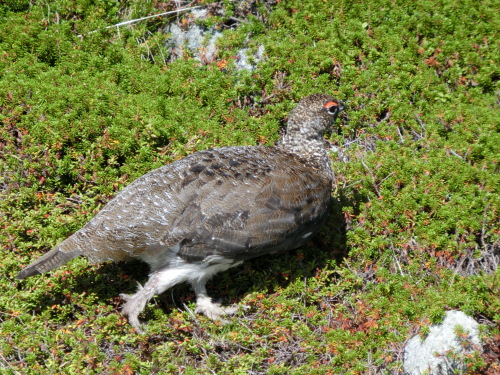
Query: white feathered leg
[(164, 278), (209, 267), (159, 281)]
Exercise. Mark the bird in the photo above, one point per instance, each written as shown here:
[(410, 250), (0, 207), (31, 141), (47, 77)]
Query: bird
[(212, 210)]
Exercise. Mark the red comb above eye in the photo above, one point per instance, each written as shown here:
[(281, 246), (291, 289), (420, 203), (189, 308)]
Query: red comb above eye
[(331, 104)]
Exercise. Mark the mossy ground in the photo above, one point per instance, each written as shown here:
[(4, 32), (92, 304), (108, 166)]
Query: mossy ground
[(414, 230)]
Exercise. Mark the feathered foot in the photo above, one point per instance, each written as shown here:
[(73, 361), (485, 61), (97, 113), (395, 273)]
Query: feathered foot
[(212, 310)]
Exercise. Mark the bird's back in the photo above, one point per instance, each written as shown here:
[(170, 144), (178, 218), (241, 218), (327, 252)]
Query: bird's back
[(237, 202)]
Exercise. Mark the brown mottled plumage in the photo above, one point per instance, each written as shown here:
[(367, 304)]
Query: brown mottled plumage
[(212, 210)]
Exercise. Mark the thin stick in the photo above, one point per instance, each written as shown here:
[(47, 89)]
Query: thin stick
[(148, 17)]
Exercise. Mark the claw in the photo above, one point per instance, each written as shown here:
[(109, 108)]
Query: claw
[(131, 310)]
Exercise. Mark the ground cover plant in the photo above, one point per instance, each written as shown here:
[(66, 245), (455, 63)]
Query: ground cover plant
[(414, 228)]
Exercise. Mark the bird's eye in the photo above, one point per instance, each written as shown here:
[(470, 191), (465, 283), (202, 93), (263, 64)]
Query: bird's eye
[(331, 107)]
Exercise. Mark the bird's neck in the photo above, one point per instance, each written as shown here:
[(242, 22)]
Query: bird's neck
[(311, 149)]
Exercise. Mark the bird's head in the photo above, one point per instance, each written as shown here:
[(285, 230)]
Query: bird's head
[(314, 115)]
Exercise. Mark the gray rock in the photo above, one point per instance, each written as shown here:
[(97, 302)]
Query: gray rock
[(247, 61), (441, 353), (200, 42)]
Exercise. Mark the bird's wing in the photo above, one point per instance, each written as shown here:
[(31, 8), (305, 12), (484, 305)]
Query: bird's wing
[(275, 206)]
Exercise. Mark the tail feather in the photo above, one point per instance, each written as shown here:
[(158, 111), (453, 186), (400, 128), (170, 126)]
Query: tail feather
[(47, 262)]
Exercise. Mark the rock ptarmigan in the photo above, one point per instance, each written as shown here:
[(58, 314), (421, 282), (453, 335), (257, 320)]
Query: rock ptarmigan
[(212, 210)]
